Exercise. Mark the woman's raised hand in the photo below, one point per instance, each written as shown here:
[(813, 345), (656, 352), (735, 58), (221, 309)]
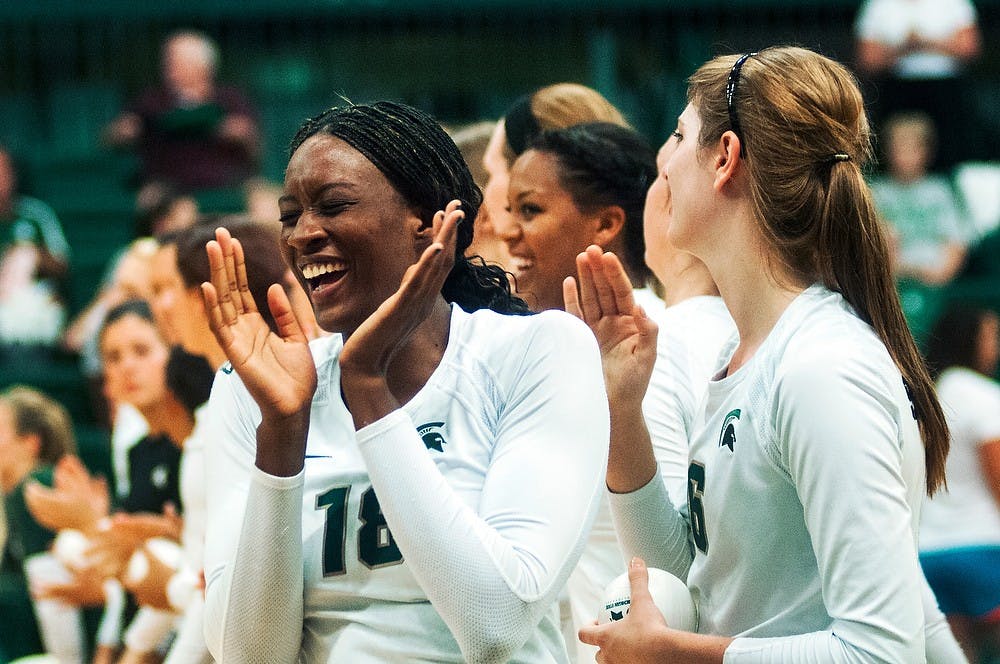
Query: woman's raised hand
[(626, 336), (370, 348), (365, 358), (277, 369)]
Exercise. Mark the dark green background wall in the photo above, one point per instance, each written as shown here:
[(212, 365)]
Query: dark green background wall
[(67, 65)]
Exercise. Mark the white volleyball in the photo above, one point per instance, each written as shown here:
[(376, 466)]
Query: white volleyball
[(669, 593)]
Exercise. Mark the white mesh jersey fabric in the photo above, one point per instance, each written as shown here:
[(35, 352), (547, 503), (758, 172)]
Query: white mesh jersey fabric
[(441, 533)]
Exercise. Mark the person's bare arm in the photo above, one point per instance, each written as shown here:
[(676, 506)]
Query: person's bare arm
[(989, 461)]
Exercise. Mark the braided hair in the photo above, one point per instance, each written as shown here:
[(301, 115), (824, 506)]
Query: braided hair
[(422, 163), (602, 164)]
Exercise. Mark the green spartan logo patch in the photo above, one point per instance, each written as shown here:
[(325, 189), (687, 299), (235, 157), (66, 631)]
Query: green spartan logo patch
[(430, 433), (728, 436)]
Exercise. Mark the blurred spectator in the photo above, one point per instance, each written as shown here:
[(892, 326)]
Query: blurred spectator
[(922, 209), (33, 259), (189, 131), (129, 277), (161, 208), (135, 357), (960, 526), (261, 201), (472, 140), (915, 52), (181, 267), (35, 432)]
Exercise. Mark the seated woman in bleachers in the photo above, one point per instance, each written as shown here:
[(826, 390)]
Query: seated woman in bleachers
[(921, 209), (135, 357), (35, 432), (159, 210), (127, 279)]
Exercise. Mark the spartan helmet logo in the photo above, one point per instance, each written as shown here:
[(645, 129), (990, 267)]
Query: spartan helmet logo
[(727, 438), (431, 435)]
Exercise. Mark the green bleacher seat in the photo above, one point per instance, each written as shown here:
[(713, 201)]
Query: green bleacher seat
[(221, 201), (78, 112), (51, 371), (19, 130)]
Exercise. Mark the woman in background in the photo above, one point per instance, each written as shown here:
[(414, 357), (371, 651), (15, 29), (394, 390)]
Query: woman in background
[(553, 107), (134, 354), (571, 188), (960, 526), (35, 433)]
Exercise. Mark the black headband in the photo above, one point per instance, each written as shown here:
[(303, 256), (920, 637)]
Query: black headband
[(734, 79), (520, 125)]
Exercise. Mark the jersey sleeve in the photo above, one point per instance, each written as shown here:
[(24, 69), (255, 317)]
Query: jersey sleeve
[(837, 432), (253, 544), (493, 571), (649, 526), (668, 408), (942, 647)]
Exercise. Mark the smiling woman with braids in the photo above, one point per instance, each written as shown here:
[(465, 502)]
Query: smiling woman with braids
[(389, 492)]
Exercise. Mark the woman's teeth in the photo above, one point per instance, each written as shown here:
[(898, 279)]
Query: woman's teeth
[(315, 270)]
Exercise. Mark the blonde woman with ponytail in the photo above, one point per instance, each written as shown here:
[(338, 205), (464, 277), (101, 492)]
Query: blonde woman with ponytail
[(821, 430)]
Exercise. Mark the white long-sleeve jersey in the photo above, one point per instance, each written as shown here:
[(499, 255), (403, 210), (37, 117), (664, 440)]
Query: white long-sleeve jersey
[(805, 483), (441, 533)]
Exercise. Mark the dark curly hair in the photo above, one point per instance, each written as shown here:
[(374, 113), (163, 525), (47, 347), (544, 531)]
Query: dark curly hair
[(423, 164)]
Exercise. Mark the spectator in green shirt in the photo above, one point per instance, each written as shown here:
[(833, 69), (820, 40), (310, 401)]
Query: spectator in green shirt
[(921, 209)]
